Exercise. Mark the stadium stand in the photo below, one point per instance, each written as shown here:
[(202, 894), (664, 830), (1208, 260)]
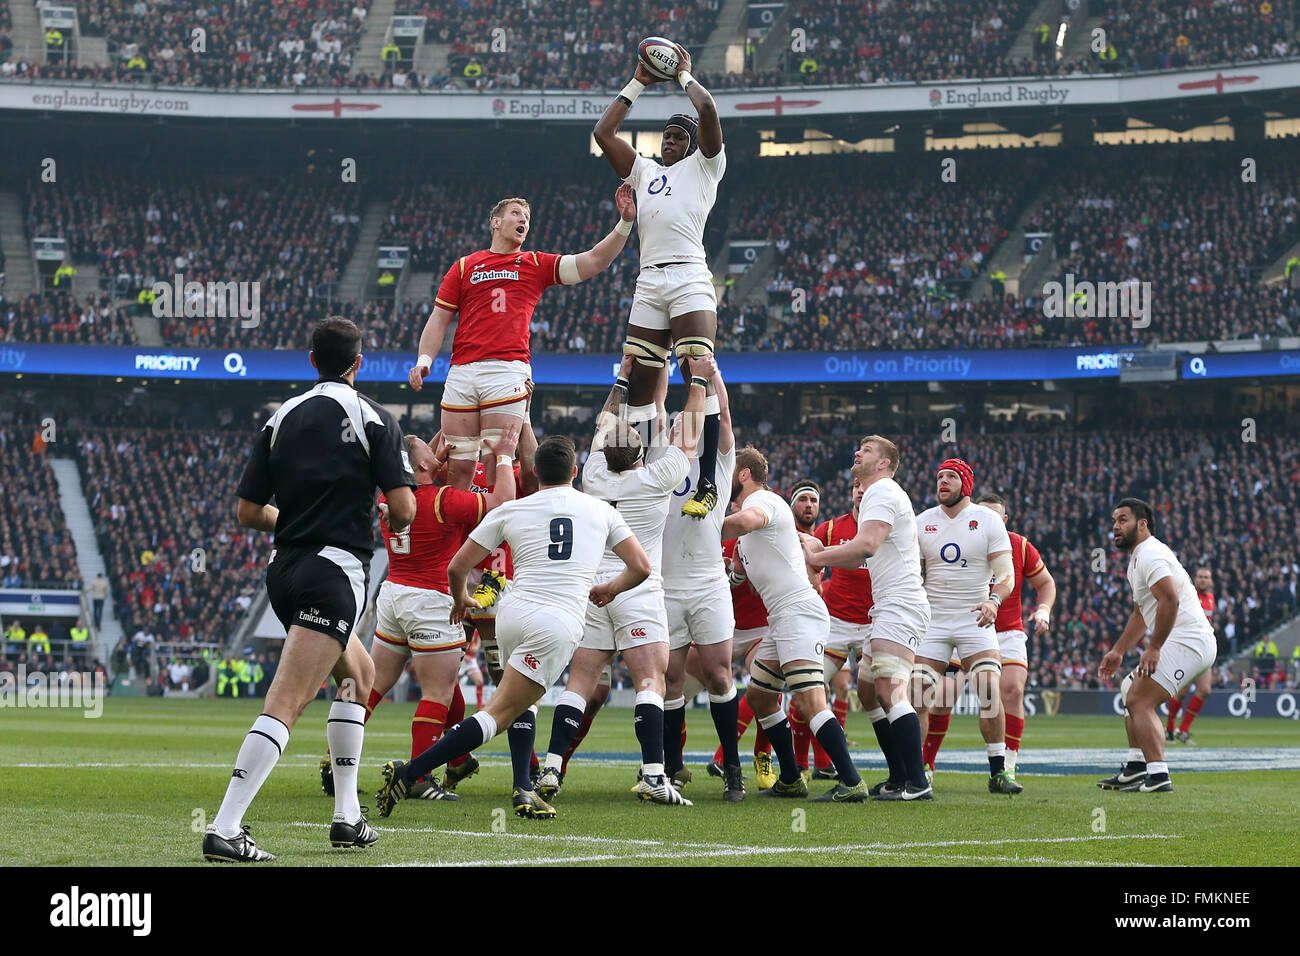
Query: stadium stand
[(157, 494), (35, 547)]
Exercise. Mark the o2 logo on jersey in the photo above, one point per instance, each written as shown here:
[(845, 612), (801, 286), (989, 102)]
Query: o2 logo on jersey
[(686, 489), (955, 553), (663, 187), (820, 649)]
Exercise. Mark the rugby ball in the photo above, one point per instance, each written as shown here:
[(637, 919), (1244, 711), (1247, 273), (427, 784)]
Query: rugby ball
[(659, 56)]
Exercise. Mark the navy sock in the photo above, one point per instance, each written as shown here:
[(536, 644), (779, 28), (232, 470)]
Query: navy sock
[(521, 734), (674, 721), (906, 735), (564, 727), (997, 764), (460, 740), (708, 447), (782, 742), (831, 736), (649, 723), (725, 717), (897, 772)]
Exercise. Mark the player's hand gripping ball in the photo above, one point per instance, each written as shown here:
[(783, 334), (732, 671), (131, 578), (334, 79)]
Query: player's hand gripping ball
[(659, 56)]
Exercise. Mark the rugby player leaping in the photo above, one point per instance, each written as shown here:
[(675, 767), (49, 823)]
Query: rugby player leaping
[(674, 303), (495, 290)]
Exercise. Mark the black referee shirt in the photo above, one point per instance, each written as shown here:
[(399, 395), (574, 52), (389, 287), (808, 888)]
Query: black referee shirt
[(322, 455)]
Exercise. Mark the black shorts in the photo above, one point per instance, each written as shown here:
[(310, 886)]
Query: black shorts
[(323, 589)]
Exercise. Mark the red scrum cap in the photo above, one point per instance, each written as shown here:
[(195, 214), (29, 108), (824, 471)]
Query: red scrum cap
[(963, 471)]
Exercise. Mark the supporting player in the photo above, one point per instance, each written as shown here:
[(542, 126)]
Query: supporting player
[(900, 613), (964, 546), (635, 624), (495, 291), (798, 626), (751, 627), (1180, 647), (1204, 581), (558, 538), (700, 613), (848, 600), (675, 304), (414, 606)]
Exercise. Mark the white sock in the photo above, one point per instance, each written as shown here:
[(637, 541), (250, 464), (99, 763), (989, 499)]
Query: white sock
[(345, 731), (901, 709), (1157, 766), (652, 770), (771, 720), (996, 750), (486, 723), (263, 746), (875, 714), (1135, 755), (820, 718), (1011, 759), (553, 761)]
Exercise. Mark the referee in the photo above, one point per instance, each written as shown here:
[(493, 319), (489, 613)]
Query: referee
[(321, 456)]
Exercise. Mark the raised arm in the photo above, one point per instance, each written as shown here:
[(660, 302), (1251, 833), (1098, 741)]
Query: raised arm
[(584, 265), (726, 437), (620, 154), (710, 133), (503, 487), (526, 452), (686, 431)]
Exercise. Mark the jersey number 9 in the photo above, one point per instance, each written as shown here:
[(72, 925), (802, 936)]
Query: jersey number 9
[(561, 548)]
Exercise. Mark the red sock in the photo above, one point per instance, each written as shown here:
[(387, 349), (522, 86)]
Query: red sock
[(1174, 704), (455, 714), (841, 711), (478, 695), (761, 744), (802, 738), (820, 757), (375, 698), (427, 725), (583, 727), (1193, 708), (1015, 730), (934, 738)]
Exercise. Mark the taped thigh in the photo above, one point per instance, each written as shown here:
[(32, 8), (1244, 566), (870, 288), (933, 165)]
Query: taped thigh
[(763, 676)]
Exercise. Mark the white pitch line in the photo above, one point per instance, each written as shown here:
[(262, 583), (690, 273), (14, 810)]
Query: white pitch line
[(515, 836)]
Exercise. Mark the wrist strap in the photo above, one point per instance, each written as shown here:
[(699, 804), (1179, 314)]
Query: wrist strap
[(624, 227), (505, 460), (685, 79), (995, 599), (424, 360), (700, 381), (621, 382), (630, 92)]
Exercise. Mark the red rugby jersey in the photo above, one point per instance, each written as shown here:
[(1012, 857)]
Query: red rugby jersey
[(444, 517), (748, 606), (1207, 602), (1028, 562), (848, 593), (495, 294)]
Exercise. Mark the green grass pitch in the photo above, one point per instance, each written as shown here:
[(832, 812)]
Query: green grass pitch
[(135, 787)]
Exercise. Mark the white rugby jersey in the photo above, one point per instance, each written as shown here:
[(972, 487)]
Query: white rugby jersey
[(641, 496), (772, 555), (672, 205), (692, 547), (1151, 561), (557, 537), (956, 552), (896, 566)]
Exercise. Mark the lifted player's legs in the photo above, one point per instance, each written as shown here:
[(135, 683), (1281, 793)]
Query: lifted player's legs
[(649, 349), (460, 429), (694, 335)]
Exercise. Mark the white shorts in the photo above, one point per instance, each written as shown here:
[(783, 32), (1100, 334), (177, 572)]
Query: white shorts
[(956, 633), (415, 620), (796, 633), (469, 667), (902, 625), (1182, 662), (663, 294), (845, 645), (700, 616), (744, 640), (632, 619), (1014, 647), (536, 640), (492, 385)]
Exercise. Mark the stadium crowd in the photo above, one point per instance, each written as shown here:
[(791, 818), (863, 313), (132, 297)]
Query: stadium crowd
[(35, 547), (179, 566)]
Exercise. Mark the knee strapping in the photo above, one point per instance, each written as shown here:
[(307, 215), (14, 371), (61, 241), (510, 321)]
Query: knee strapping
[(990, 703), (925, 680), (645, 353), (800, 679), (462, 447), (766, 678), (492, 654), (888, 667), (488, 437), (692, 346)]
